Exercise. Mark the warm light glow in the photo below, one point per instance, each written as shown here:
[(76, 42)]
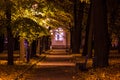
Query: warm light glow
[(59, 34), (35, 6)]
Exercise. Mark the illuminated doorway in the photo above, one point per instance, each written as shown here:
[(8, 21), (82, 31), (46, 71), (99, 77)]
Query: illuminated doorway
[(59, 38)]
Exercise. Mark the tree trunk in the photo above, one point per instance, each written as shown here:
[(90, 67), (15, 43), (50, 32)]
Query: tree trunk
[(10, 47), (78, 17), (101, 45), (87, 50), (38, 46), (16, 44), (71, 38), (33, 49), (90, 34), (1, 43), (9, 32), (43, 44), (47, 41), (22, 50), (28, 52)]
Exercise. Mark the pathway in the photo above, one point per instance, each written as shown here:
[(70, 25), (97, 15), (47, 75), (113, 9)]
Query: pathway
[(57, 65)]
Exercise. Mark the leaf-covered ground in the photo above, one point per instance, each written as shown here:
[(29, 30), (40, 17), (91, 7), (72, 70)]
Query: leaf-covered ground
[(112, 72), (11, 72)]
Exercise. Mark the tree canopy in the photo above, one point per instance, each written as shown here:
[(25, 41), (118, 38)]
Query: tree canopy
[(43, 13), (28, 29)]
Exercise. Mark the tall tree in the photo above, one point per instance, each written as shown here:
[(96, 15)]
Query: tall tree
[(101, 42), (2, 24), (9, 32), (88, 34), (76, 33)]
